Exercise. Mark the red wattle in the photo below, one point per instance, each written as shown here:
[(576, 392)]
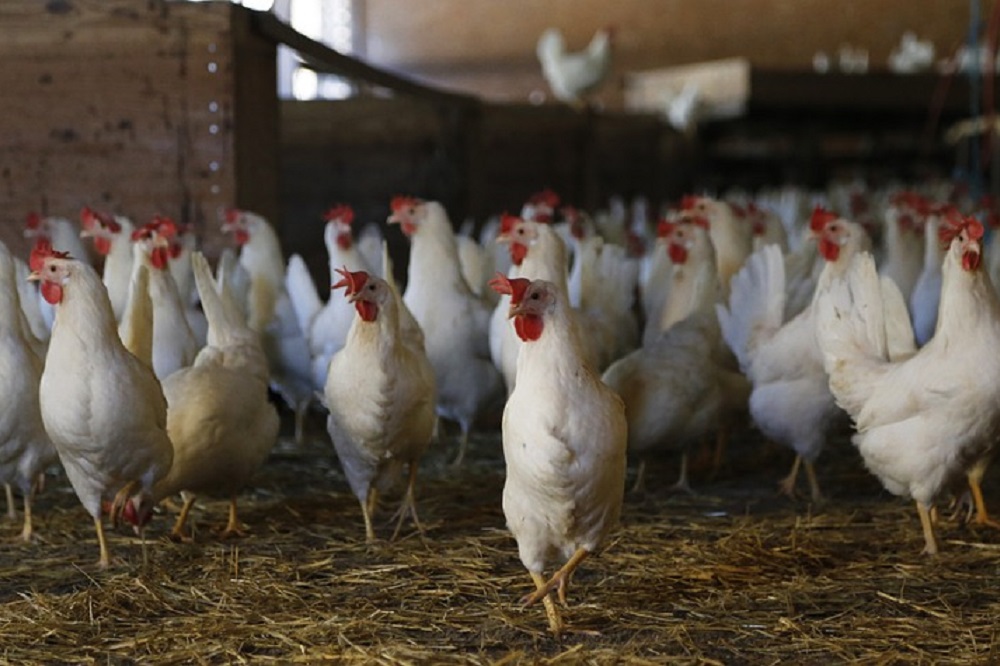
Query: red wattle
[(52, 292), (159, 258), (829, 249), (970, 260), (517, 253), (678, 253), (367, 310), (528, 327), (409, 228), (344, 241), (102, 245), (242, 236)]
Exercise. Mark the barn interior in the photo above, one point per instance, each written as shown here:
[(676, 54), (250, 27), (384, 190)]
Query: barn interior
[(187, 110)]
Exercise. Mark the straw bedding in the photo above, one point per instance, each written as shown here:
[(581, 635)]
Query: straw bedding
[(734, 574)]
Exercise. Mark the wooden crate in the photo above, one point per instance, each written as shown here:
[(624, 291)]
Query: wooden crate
[(135, 107)]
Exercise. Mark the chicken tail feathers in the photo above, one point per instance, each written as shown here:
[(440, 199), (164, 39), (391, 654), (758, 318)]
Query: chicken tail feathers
[(851, 333), (756, 304), (136, 328), (302, 291)]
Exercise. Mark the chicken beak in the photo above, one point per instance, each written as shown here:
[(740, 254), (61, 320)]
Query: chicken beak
[(34, 276), (87, 233)]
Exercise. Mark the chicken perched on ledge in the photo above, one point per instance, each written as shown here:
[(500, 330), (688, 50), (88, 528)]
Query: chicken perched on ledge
[(381, 394), (564, 440), (102, 407), (928, 421)]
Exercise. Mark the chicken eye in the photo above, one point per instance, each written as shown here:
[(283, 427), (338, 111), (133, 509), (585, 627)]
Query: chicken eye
[(535, 296), (520, 232)]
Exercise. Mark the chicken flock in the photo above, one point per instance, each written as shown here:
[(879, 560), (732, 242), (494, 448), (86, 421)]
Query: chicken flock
[(588, 339)]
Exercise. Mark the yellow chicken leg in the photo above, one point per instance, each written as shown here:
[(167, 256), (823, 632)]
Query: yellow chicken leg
[(930, 542), (787, 485), (814, 491), (11, 510), (982, 513), (551, 612), (367, 509), (559, 580), (26, 531), (233, 527), (639, 486), (409, 505), (105, 560), (177, 533)]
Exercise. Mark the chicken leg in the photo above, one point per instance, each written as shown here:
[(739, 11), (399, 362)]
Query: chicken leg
[(233, 527), (26, 531), (787, 485), (682, 485), (367, 509), (409, 505), (559, 580), (975, 485), (177, 533), (930, 542), (639, 486), (463, 445), (105, 559), (551, 612)]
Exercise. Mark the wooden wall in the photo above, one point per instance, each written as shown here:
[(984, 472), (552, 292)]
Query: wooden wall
[(488, 47), (134, 107)]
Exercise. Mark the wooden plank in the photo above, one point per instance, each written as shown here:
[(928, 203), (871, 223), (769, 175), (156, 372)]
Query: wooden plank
[(122, 105)]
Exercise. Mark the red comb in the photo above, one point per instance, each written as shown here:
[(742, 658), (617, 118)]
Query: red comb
[(33, 220), (400, 202), (514, 288), (42, 251), (88, 218), (232, 215), (689, 201), (354, 281), (955, 223), (164, 226), (341, 212), (545, 198), (507, 223), (820, 218)]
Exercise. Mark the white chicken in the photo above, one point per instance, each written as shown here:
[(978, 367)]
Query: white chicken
[(102, 407), (219, 419), (927, 291), (790, 402), (903, 240), (325, 325), (454, 321), (270, 312), (112, 238), (381, 395), (731, 236), (25, 448), (174, 343), (574, 75), (925, 422), (564, 441)]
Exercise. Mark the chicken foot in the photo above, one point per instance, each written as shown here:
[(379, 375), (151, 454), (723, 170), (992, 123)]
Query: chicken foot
[(409, 504), (787, 485), (177, 533), (559, 580), (975, 485), (930, 542), (233, 527), (551, 612)]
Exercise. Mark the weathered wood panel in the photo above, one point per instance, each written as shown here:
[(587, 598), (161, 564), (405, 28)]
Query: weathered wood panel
[(131, 107)]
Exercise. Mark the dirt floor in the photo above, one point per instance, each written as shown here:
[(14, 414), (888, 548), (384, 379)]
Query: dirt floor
[(733, 575)]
